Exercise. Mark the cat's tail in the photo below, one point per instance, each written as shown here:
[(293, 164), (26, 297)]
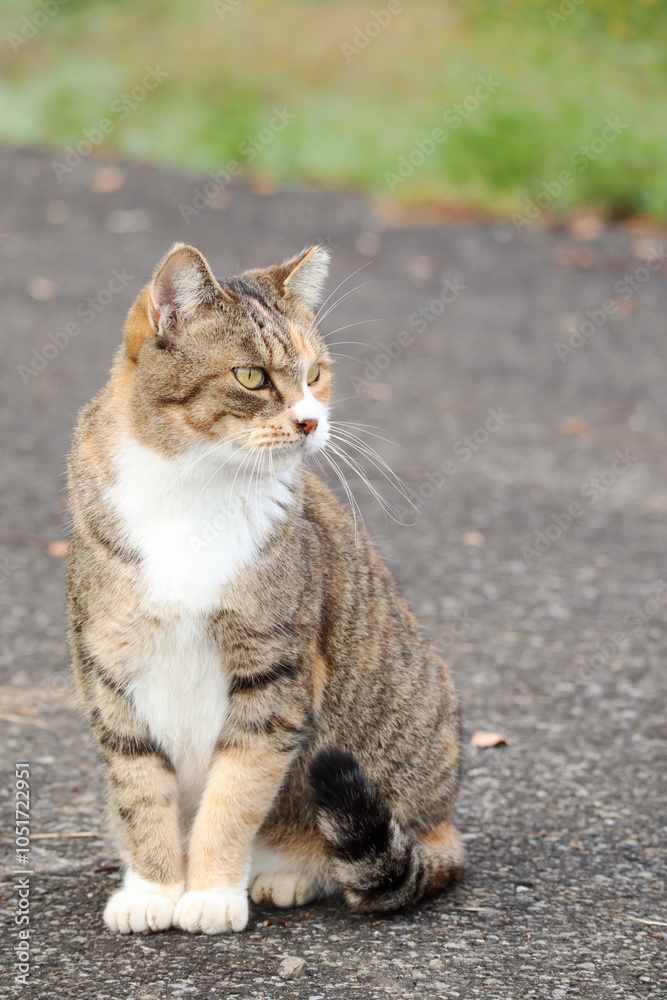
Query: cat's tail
[(378, 864)]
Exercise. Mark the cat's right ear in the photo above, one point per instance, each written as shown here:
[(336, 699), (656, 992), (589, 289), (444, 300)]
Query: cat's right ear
[(182, 290)]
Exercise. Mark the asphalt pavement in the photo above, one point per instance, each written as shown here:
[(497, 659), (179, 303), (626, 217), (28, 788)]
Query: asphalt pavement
[(521, 375)]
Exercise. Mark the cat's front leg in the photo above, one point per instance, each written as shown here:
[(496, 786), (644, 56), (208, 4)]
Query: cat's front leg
[(243, 781), (142, 792)]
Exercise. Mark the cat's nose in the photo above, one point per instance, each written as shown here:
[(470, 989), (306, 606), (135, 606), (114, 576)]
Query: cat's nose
[(306, 426)]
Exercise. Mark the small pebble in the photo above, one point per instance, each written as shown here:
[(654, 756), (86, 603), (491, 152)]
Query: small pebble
[(292, 968)]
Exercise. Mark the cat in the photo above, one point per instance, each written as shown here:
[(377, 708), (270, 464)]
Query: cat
[(270, 718)]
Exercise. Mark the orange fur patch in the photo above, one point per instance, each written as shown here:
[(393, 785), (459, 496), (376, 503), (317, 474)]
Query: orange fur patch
[(307, 847), (137, 324), (301, 344), (121, 385), (442, 837), (241, 786)]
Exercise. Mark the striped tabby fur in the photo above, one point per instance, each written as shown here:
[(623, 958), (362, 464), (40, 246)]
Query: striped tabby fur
[(269, 715)]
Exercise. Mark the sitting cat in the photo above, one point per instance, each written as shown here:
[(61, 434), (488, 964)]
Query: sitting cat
[(269, 715)]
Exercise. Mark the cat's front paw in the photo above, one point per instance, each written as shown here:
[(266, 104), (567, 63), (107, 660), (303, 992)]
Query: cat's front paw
[(283, 889), (142, 906), (212, 911)]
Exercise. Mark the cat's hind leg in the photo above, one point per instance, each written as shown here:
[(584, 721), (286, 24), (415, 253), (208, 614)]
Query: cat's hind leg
[(292, 874)]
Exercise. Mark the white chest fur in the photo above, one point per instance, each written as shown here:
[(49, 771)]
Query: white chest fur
[(195, 529), (180, 692), (194, 522)]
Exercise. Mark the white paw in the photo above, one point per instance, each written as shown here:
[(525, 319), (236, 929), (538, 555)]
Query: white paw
[(141, 906), (212, 911), (283, 889)]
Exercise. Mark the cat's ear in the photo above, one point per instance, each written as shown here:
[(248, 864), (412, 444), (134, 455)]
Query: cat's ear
[(304, 276), (181, 291)]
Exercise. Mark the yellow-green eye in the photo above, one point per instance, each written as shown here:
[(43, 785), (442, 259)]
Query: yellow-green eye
[(313, 374), (251, 378)]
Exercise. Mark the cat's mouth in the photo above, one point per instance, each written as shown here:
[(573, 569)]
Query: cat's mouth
[(312, 437)]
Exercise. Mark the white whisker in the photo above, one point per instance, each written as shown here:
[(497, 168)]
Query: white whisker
[(387, 508), (317, 315), (372, 456), (343, 297), (348, 326)]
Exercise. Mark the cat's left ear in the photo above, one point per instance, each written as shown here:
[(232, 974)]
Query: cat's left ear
[(304, 276), (181, 292)]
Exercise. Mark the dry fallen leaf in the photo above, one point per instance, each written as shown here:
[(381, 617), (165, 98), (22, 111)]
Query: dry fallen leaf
[(586, 227), (642, 225), (473, 538), (58, 548), (575, 258), (626, 305), (574, 427), (42, 289), (379, 392), (107, 180), (646, 248), (484, 740), (264, 184)]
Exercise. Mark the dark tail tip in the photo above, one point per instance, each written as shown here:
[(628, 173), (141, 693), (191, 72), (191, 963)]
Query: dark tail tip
[(337, 779), (357, 816)]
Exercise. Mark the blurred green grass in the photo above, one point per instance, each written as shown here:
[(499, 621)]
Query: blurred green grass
[(229, 64)]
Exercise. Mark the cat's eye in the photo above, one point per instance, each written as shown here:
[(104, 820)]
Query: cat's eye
[(251, 378), (313, 374)]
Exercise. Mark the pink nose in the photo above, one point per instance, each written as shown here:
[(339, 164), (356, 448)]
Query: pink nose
[(306, 426)]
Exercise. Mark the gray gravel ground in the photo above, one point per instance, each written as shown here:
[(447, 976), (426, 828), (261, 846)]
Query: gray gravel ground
[(562, 651)]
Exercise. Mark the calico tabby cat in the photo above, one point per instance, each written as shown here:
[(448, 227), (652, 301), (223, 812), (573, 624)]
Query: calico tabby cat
[(269, 715)]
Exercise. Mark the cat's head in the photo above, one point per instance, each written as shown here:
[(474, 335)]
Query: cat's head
[(237, 363)]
